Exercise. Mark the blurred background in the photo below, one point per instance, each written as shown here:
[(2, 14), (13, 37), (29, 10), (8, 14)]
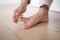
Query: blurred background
[(55, 5)]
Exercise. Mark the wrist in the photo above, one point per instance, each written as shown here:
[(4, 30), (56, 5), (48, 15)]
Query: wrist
[(29, 1)]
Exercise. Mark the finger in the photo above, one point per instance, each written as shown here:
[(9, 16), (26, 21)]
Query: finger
[(16, 10), (28, 24), (15, 18)]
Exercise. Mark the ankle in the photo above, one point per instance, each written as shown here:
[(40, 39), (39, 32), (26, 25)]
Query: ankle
[(44, 7)]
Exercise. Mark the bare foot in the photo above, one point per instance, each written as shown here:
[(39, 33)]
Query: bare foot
[(40, 16)]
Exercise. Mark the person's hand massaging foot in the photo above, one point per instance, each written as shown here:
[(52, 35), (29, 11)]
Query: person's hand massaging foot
[(40, 16)]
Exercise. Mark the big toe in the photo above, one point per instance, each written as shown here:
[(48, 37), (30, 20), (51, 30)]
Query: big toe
[(30, 23)]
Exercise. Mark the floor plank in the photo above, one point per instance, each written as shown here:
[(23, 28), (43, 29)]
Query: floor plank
[(6, 33), (42, 31)]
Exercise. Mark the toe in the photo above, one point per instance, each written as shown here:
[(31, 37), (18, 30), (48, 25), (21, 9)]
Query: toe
[(27, 25), (30, 23), (24, 19)]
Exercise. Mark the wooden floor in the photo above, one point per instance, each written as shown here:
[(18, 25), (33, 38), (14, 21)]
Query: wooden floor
[(42, 31)]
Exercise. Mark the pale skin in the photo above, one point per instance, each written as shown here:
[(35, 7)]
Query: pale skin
[(40, 16)]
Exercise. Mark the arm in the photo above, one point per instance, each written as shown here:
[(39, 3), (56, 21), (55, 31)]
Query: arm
[(25, 2)]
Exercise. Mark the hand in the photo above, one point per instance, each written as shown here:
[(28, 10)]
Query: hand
[(18, 11)]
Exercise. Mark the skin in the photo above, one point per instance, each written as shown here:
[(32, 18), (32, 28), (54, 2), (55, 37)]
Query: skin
[(40, 16)]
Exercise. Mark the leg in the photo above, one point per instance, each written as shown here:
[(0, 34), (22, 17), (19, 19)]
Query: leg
[(40, 16)]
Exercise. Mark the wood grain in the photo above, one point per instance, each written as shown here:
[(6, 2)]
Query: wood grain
[(42, 31)]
